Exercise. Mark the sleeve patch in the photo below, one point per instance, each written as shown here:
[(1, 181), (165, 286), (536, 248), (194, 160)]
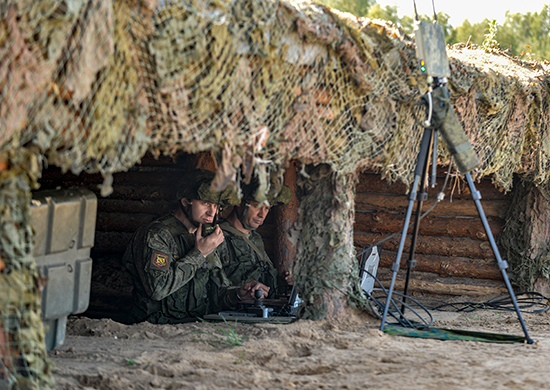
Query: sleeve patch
[(160, 260)]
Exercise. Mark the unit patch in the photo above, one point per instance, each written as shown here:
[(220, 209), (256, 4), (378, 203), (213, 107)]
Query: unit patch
[(160, 260)]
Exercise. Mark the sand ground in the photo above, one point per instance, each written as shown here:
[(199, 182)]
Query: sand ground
[(350, 353)]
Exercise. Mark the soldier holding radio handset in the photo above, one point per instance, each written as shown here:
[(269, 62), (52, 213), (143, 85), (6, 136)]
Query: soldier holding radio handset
[(176, 270)]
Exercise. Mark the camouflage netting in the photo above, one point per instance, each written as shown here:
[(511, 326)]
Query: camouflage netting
[(94, 85), (23, 361), (328, 253)]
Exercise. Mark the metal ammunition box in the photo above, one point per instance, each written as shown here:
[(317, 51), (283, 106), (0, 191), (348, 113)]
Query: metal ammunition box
[(64, 225)]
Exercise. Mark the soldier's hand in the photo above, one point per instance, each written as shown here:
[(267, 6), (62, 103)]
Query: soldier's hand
[(246, 291), (289, 279), (207, 245)]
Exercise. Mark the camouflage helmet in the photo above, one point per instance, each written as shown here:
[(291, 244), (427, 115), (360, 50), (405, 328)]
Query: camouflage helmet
[(277, 195), (197, 184)]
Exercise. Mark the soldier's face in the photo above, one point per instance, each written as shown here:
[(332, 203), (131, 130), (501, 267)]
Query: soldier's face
[(256, 214), (203, 212)]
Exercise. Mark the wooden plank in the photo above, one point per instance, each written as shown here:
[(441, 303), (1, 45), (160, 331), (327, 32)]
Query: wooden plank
[(55, 175), (139, 175), (122, 222), (465, 208), (456, 188), (151, 176), (439, 246), (145, 192), (446, 266), (384, 223), (111, 242), (426, 283), (159, 207)]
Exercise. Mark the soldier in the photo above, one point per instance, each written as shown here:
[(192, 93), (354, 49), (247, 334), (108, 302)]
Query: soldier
[(247, 257), (176, 271)]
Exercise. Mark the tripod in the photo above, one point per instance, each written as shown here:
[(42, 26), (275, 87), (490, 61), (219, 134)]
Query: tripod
[(446, 121)]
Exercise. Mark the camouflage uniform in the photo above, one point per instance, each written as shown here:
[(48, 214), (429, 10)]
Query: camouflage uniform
[(245, 262), (172, 280), (247, 257)]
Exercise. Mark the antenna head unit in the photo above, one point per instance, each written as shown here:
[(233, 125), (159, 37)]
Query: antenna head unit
[(430, 50)]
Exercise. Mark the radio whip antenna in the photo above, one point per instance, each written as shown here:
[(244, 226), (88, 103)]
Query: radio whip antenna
[(435, 13)]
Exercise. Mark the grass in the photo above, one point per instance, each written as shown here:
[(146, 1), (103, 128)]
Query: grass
[(222, 337)]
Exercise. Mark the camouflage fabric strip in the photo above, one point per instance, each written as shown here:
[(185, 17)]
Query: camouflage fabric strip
[(452, 334)]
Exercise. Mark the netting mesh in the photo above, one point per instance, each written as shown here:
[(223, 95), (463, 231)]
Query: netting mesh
[(23, 362), (93, 85)]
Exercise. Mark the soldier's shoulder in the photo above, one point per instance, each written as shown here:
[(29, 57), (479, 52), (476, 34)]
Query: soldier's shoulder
[(156, 231), (227, 228)]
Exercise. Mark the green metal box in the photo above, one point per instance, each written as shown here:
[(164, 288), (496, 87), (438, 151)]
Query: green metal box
[(64, 225)]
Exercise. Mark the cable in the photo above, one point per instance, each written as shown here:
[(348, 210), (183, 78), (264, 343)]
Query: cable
[(421, 317), (528, 302), (440, 197)]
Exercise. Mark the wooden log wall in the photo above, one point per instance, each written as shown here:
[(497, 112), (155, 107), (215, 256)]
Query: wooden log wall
[(452, 252)]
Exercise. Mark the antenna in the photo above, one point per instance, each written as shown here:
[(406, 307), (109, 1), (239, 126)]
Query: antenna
[(435, 13), (417, 18)]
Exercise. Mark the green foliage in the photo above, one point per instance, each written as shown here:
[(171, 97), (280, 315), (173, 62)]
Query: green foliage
[(526, 35), (240, 359), (490, 44), (523, 34), (468, 33), (227, 338), (385, 13)]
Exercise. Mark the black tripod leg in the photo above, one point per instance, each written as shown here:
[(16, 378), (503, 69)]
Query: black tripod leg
[(502, 265), (422, 196), (420, 168)]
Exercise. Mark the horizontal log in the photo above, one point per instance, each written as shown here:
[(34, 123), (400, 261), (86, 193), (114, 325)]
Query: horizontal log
[(111, 242), (465, 208), (55, 175), (149, 160), (131, 192), (425, 283), (160, 175), (438, 246), (122, 222), (374, 183), (150, 176), (384, 223), (159, 207), (446, 266), (145, 192)]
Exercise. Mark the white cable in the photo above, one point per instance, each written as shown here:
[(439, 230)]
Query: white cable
[(428, 121)]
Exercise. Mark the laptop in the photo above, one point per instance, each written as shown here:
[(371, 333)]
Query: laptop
[(280, 309)]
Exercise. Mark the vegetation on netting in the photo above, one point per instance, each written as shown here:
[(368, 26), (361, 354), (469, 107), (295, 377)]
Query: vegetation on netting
[(490, 44)]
